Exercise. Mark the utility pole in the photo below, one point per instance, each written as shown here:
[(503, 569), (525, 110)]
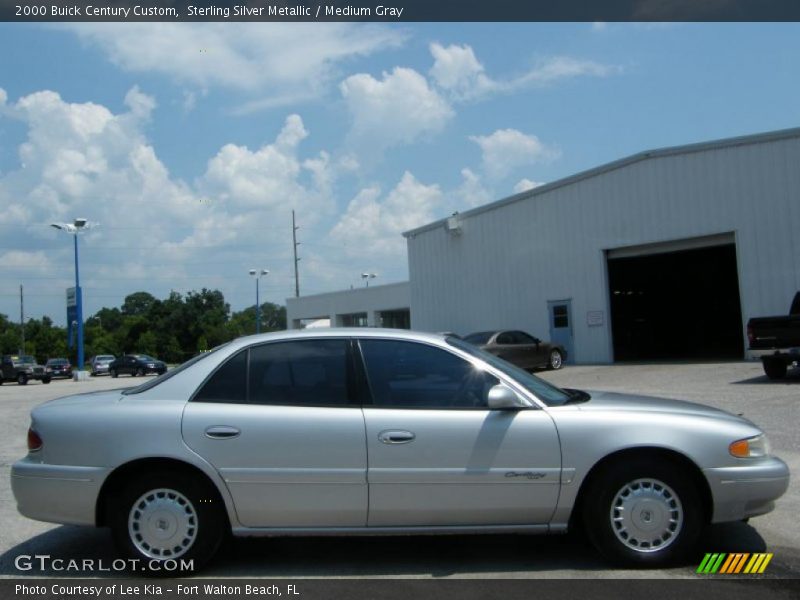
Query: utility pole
[(295, 244), (22, 319)]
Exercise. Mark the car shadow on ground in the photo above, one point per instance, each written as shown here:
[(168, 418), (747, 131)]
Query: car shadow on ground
[(368, 556), (792, 378)]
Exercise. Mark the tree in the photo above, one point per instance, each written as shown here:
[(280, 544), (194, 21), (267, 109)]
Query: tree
[(138, 304)]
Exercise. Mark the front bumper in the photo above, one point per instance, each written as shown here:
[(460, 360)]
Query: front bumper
[(746, 491), (57, 493)]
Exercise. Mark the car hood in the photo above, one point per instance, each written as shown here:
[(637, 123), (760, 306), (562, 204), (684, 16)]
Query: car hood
[(78, 400), (612, 401)]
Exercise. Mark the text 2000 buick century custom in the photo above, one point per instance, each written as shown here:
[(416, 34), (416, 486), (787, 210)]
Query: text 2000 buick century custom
[(355, 431)]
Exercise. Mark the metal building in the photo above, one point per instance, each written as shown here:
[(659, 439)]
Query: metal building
[(375, 306), (662, 255)]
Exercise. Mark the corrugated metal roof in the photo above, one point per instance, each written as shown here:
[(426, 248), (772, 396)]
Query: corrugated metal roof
[(759, 138)]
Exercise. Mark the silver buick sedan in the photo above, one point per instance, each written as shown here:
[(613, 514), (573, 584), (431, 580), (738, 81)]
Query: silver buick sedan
[(369, 431)]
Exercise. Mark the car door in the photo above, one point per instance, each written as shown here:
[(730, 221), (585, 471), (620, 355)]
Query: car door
[(531, 353), (280, 423), (129, 364), (438, 456)]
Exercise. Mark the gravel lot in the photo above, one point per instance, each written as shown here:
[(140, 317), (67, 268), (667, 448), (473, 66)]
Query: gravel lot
[(737, 387)]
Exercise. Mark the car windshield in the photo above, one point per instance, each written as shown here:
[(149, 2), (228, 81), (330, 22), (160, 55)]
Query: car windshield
[(104, 358), (546, 392), (144, 357), (57, 361), (161, 378), (482, 337), (23, 360)]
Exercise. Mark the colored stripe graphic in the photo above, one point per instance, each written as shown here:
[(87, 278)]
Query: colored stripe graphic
[(734, 563), (758, 563)]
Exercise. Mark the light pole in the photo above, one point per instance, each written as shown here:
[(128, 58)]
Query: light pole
[(258, 274), (367, 276), (75, 228)]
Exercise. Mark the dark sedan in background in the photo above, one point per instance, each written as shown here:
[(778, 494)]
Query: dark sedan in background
[(58, 367), (136, 364), (520, 348)]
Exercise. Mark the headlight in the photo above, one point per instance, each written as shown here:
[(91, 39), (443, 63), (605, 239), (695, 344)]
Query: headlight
[(753, 447)]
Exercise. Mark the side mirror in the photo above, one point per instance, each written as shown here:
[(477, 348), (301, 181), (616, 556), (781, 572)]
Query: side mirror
[(502, 397)]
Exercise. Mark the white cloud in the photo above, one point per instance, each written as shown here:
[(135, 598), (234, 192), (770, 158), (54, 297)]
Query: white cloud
[(373, 227), (141, 105), (82, 159), (556, 68), (275, 62), (271, 177), (457, 71), (471, 192), (508, 149), (525, 184), (397, 109)]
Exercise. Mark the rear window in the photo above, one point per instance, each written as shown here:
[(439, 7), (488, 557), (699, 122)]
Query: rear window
[(479, 338)]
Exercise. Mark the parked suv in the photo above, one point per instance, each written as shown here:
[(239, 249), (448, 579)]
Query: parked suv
[(136, 364), (21, 369), (58, 367), (99, 364)]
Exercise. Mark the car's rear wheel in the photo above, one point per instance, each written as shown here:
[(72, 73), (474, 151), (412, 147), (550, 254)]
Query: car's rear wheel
[(170, 522), (555, 361), (22, 379), (643, 513), (140, 372), (774, 369), (46, 380)]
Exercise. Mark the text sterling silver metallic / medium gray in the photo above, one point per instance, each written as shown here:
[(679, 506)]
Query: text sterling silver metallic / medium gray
[(370, 431)]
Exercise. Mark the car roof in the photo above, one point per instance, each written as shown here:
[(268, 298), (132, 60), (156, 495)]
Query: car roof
[(338, 332)]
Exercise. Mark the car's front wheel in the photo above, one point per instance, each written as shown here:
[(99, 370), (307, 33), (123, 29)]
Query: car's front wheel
[(22, 379), (169, 522), (643, 513), (46, 380), (114, 373)]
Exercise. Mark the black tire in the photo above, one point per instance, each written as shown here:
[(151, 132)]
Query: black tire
[(22, 379), (46, 380), (555, 360), (114, 373), (187, 498), (656, 500), (775, 369)]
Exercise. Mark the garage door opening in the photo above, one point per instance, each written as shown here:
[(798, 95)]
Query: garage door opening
[(676, 305)]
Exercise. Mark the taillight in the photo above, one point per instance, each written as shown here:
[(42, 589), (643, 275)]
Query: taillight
[(34, 441)]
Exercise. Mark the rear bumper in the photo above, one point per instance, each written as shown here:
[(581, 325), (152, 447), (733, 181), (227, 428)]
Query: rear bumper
[(57, 493), (742, 492), (787, 354)]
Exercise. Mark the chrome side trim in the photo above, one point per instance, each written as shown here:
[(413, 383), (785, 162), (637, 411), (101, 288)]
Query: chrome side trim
[(450, 529)]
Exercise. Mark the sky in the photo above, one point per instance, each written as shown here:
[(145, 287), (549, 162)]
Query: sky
[(190, 144)]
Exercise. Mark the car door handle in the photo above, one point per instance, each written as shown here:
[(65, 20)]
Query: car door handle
[(396, 437), (222, 432)]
